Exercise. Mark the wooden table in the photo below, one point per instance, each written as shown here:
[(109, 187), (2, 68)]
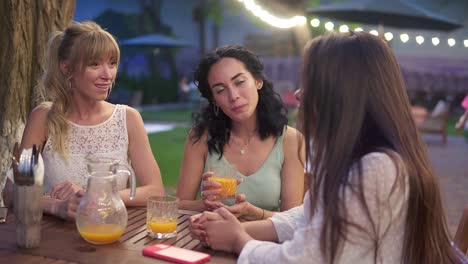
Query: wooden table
[(61, 243)]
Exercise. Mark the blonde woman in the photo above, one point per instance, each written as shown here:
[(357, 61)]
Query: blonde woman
[(80, 70)]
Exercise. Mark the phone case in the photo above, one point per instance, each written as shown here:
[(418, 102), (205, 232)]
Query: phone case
[(175, 254)]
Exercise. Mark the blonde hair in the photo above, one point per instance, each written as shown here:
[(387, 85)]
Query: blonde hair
[(79, 45)]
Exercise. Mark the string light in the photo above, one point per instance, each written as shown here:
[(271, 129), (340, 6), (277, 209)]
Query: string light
[(451, 42), (420, 40), (329, 26), (404, 37), (388, 36), (315, 22), (272, 20), (294, 21), (344, 28)]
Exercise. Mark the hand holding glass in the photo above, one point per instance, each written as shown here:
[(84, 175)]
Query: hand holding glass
[(225, 175)]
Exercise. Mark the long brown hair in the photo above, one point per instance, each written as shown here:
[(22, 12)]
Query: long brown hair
[(354, 102)]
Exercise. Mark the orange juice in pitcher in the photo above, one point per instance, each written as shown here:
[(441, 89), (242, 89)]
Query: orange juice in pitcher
[(101, 233)]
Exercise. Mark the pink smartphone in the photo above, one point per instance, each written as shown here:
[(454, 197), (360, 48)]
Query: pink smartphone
[(175, 254)]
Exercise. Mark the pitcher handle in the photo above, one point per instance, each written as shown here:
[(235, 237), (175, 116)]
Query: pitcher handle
[(132, 178)]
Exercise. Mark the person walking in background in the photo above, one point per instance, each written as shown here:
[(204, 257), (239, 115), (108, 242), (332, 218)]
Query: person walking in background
[(373, 196), (245, 125), (464, 118), (75, 120), (183, 89)]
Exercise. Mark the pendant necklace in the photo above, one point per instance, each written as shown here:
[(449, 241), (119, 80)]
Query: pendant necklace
[(242, 148)]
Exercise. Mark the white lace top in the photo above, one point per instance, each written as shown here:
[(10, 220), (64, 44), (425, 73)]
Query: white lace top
[(110, 138), (299, 237)]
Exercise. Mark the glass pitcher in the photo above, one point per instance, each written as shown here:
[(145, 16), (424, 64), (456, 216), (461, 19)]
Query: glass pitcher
[(101, 216)]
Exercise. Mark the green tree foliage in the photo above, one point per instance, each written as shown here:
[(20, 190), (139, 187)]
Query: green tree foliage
[(148, 20)]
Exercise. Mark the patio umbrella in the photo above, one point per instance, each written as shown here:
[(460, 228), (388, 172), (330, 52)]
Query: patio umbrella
[(155, 41), (395, 13)]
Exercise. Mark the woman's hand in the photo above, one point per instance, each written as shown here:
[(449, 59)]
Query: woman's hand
[(66, 209), (65, 190), (243, 209), (196, 223), (226, 233), (210, 192)]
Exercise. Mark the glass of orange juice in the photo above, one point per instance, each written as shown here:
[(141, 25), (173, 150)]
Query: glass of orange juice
[(161, 216), (226, 176)]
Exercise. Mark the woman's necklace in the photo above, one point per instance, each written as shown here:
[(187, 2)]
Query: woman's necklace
[(243, 148)]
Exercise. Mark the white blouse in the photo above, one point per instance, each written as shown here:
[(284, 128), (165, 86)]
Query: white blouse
[(109, 138), (299, 237)]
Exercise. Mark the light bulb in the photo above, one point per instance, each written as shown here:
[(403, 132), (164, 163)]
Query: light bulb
[(420, 40), (315, 22), (404, 37)]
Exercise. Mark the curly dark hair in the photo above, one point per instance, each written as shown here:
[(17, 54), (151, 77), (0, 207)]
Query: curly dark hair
[(271, 112)]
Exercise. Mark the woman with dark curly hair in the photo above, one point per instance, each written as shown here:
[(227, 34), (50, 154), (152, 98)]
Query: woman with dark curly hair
[(245, 125)]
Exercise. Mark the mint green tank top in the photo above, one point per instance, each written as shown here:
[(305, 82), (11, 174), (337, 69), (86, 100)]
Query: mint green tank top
[(262, 188)]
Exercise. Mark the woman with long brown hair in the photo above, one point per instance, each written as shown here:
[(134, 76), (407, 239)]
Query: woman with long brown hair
[(373, 196)]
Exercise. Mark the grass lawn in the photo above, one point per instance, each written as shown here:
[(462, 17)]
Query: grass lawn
[(167, 115), (168, 149)]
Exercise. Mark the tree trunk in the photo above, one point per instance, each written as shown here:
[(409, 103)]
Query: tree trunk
[(25, 29), (199, 16), (215, 30)]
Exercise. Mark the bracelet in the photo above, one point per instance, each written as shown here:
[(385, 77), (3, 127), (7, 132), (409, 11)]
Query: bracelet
[(263, 214)]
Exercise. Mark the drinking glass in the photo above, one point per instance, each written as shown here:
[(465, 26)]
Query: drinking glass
[(226, 175), (161, 216)]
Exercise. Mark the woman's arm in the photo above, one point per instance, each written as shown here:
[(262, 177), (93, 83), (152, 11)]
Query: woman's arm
[(191, 172), (35, 131), (263, 230), (292, 172), (65, 209), (255, 240), (143, 162)]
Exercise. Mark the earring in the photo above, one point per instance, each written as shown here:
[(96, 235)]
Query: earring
[(69, 84), (215, 110)]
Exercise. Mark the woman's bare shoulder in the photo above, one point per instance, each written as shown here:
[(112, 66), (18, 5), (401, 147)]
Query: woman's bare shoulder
[(133, 117), (292, 135), (41, 111)]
